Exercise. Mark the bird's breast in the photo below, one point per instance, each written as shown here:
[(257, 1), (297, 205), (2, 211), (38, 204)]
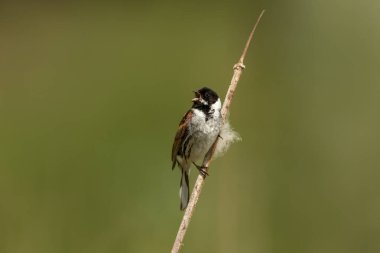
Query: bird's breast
[(203, 132), (205, 124)]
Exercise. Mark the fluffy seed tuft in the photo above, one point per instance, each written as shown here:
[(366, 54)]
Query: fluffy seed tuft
[(228, 136)]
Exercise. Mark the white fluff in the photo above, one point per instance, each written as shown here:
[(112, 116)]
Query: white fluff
[(228, 136)]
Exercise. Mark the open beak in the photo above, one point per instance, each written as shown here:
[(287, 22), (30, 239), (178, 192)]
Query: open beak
[(197, 96)]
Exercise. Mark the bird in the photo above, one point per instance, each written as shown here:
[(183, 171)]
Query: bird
[(197, 132)]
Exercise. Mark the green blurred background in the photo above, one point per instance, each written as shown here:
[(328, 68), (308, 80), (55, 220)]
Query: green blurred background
[(91, 94)]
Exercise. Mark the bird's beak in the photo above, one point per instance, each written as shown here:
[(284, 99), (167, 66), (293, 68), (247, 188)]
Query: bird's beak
[(197, 96)]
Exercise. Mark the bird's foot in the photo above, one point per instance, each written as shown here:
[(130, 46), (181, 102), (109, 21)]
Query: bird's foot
[(202, 170)]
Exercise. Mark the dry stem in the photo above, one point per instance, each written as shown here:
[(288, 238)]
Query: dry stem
[(238, 70)]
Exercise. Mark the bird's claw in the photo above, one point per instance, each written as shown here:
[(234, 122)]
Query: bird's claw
[(202, 170)]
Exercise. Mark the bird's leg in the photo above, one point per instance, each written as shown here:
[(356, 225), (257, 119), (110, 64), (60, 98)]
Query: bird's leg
[(202, 170)]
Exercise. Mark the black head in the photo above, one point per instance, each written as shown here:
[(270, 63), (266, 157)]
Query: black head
[(205, 96)]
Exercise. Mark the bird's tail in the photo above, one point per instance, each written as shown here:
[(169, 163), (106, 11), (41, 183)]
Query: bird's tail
[(184, 193)]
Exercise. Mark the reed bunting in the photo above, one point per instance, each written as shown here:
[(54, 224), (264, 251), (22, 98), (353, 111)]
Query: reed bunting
[(196, 133)]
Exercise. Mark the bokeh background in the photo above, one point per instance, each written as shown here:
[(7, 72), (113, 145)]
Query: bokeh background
[(91, 94)]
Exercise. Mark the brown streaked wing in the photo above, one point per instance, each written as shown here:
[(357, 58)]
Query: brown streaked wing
[(180, 135)]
